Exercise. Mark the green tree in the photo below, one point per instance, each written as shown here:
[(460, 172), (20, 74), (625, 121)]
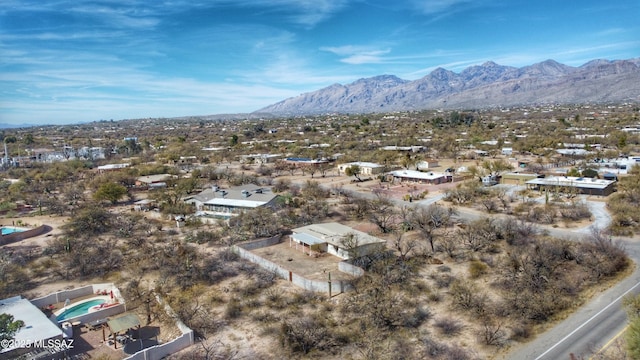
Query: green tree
[(9, 327), (111, 192), (28, 139), (94, 220), (353, 170)]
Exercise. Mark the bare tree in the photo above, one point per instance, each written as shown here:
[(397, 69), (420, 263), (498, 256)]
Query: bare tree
[(404, 246), (383, 214), (428, 219)]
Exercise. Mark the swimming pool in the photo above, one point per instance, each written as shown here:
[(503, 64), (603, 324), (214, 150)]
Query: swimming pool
[(79, 309), (10, 230)]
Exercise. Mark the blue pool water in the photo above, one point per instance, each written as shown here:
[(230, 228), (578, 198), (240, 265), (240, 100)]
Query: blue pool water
[(79, 309), (10, 230)]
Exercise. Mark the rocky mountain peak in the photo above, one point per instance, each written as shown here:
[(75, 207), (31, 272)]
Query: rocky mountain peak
[(477, 86)]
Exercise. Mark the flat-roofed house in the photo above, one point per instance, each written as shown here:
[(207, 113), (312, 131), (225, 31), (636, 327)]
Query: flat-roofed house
[(232, 201), (38, 330), (431, 177), (581, 185), (366, 168), (335, 239), (154, 181)]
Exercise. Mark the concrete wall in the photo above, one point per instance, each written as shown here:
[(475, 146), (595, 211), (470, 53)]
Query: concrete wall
[(351, 269), (61, 296), (17, 236), (163, 350), (257, 244), (264, 263), (337, 286)]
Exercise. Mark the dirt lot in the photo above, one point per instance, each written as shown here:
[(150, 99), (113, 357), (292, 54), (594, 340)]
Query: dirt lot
[(310, 267)]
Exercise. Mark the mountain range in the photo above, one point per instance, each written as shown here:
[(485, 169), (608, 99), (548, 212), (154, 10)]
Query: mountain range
[(481, 86)]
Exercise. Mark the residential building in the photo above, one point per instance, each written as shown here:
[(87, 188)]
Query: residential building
[(427, 164), (306, 161), (335, 239), (420, 177), (215, 201), (260, 159), (112, 167), (581, 185), (154, 181), (37, 330), (366, 168)]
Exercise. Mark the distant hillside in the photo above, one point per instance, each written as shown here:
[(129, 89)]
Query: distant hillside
[(481, 86)]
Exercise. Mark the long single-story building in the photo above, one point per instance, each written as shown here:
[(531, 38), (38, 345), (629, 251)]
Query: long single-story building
[(366, 168), (232, 201), (430, 177), (330, 238), (581, 185)]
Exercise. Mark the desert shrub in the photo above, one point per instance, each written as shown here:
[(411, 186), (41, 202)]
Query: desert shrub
[(434, 296), (449, 327), (416, 317), (516, 232), (575, 211), (233, 309), (466, 296), (477, 268), (443, 280), (521, 331), (541, 215), (433, 349), (464, 194), (305, 334), (492, 333), (203, 237), (601, 255)]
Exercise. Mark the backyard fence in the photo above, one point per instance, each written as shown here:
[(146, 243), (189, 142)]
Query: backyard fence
[(335, 286), (163, 350), (21, 235)]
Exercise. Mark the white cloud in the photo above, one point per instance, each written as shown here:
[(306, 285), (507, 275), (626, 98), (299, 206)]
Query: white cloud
[(356, 55), (437, 6)]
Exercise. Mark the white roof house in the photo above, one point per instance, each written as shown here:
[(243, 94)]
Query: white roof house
[(108, 167), (328, 237), (366, 168), (232, 201), (573, 152), (37, 327), (583, 185), (430, 177)]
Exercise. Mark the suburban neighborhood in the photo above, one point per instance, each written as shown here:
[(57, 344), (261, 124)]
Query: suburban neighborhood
[(223, 238)]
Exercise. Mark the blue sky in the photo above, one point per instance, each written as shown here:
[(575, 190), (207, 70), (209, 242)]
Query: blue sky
[(79, 60)]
